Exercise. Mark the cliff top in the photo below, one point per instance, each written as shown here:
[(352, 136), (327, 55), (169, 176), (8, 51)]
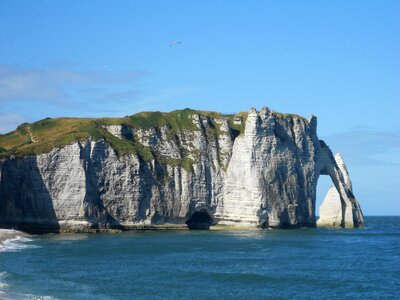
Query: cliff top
[(44, 135)]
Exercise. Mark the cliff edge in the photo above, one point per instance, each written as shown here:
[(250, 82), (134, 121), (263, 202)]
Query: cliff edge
[(180, 169)]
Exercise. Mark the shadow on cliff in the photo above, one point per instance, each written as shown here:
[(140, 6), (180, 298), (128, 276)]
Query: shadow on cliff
[(25, 202), (292, 182), (96, 211)]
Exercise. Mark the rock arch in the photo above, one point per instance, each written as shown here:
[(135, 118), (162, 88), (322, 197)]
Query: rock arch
[(339, 207)]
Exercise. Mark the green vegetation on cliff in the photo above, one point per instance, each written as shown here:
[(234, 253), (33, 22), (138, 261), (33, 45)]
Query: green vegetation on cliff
[(44, 135)]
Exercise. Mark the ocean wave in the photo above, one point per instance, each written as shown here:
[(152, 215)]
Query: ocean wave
[(15, 244), (35, 297), (4, 292), (2, 284)]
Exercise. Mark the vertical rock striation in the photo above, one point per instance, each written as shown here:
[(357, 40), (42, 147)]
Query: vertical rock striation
[(264, 177)]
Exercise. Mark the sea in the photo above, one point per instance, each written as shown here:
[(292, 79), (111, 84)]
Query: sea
[(306, 263)]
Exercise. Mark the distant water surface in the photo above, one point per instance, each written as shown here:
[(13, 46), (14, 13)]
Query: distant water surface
[(260, 264)]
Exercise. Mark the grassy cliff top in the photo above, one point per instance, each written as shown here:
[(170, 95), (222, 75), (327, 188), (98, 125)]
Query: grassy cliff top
[(44, 135)]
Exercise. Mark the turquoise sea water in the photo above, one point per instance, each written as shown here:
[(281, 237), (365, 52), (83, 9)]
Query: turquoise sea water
[(306, 263)]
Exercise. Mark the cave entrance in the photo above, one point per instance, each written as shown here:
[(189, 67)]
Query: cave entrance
[(200, 220)]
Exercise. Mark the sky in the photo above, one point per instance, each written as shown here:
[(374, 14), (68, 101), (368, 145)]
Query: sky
[(338, 60)]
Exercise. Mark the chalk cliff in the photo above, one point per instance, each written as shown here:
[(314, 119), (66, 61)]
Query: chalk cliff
[(255, 169)]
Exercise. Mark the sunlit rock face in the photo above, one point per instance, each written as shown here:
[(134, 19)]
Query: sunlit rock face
[(338, 210), (265, 176)]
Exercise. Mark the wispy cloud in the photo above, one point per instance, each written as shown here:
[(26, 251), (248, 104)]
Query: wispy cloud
[(9, 122), (366, 145), (60, 86)]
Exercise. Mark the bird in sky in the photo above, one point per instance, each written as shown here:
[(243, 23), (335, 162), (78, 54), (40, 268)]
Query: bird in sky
[(174, 43)]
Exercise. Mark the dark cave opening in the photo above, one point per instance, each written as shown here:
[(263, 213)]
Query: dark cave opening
[(200, 220)]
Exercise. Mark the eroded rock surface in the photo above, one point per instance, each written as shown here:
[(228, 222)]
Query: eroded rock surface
[(264, 177), (337, 210)]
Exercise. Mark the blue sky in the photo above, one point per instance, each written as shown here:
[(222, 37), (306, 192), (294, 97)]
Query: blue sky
[(338, 60)]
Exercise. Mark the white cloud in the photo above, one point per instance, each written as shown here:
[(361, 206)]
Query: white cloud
[(364, 145), (57, 85)]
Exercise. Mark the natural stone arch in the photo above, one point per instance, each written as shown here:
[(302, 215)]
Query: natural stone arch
[(339, 207)]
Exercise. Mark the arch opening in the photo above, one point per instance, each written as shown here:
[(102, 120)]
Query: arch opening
[(199, 220), (323, 185), (332, 210)]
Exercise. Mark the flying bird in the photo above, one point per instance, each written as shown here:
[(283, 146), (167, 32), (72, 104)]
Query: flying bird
[(174, 43)]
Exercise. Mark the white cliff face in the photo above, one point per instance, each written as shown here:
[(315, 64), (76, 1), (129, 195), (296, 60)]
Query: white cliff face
[(55, 169), (269, 181), (120, 131), (265, 177)]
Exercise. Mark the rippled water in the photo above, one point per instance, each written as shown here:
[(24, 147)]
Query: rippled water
[(303, 263)]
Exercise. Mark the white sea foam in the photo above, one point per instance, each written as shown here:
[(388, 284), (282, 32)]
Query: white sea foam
[(35, 297), (15, 244), (4, 292), (2, 284)]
